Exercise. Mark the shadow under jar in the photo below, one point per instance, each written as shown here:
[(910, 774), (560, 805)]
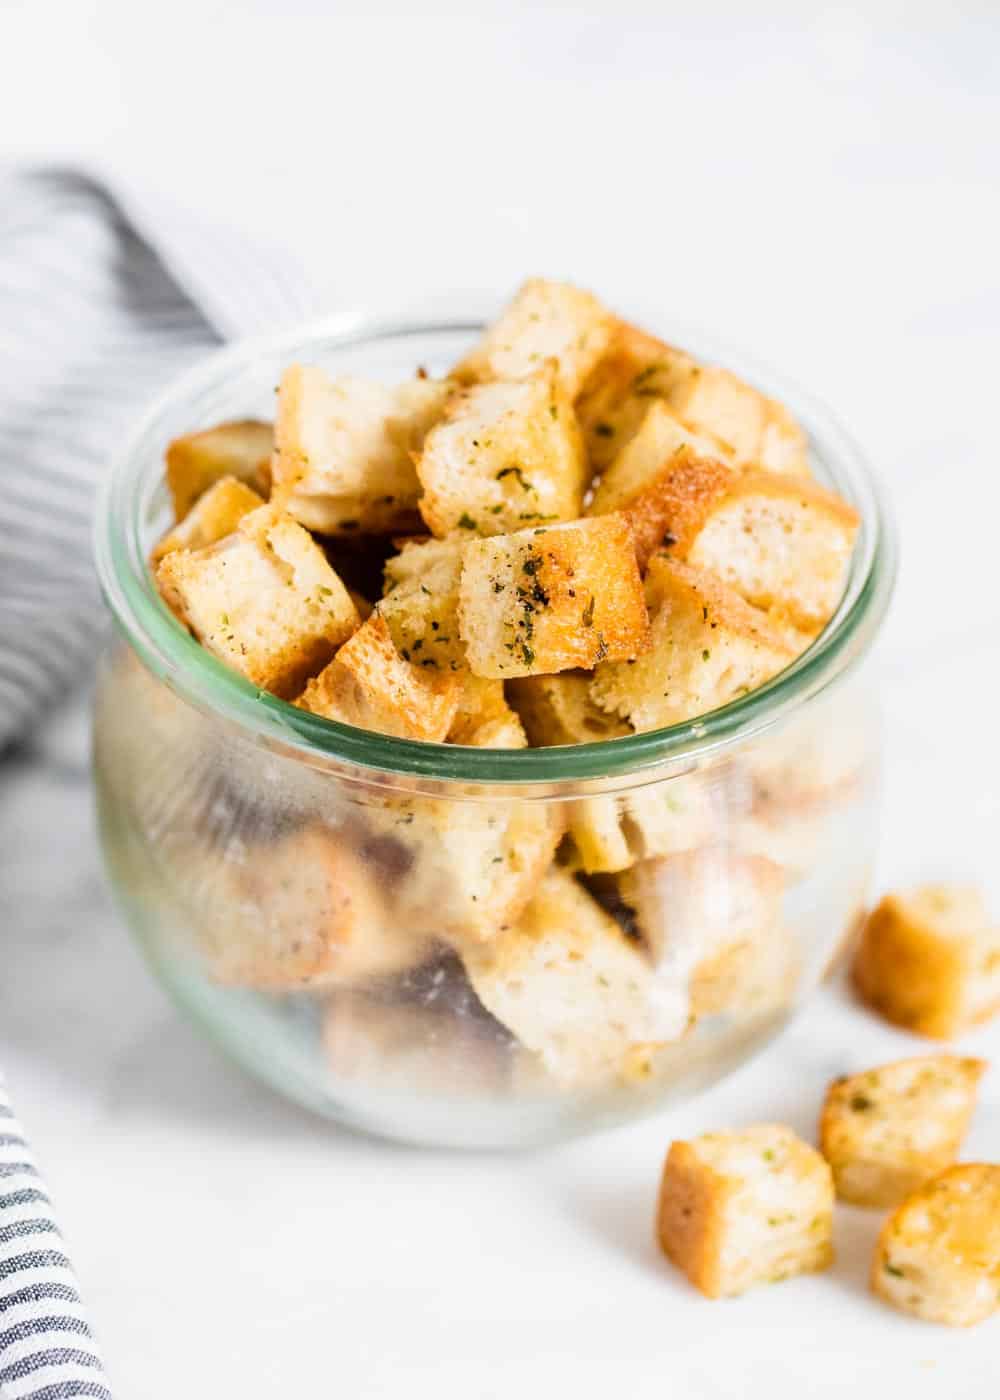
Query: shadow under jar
[(463, 946)]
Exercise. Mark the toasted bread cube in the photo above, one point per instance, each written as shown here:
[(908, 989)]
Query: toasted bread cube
[(264, 600), (213, 516), (571, 987), (421, 601), (886, 1131), (783, 543), (552, 599), (713, 918), (343, 460), (707, 647), (930, 960), (369, 684), (199, 460), (302, 912), (636, 371), (559, 710), (759, 431), (611, 833), (460, 872), (505, 455), (483, 719), (666, 481), (545, 321), (742, 1208), (938, 1255)]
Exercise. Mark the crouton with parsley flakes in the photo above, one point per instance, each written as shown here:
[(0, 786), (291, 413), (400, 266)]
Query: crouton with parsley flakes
[(370, 684), (938, 1256), (197, 461), (545, 321), (264, 600), (506, 455), (747, 1207), (930, 960), (707, 647), (886, 1131), (343, 460), (552, 599)]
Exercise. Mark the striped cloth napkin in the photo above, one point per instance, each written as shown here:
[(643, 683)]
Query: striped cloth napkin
[(104, 296)]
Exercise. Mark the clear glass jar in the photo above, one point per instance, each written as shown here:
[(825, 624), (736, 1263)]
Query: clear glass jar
[(366, 922)]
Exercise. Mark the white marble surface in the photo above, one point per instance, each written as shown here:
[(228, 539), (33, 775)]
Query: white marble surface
[(822, 187)]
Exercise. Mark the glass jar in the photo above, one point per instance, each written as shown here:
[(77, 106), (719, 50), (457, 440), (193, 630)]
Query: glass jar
[(467, 946)]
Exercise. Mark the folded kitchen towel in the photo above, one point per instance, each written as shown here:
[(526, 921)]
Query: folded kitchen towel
[(104, 296)]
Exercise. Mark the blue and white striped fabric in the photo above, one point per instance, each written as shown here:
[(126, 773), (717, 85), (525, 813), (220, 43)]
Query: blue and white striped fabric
[(47, 1350), (103, 298)]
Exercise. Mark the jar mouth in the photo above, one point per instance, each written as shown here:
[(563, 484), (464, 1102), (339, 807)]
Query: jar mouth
[(237, 382)]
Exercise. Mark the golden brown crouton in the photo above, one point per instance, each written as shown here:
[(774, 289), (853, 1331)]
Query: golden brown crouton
[(369, 684), (552, 599), (636, 370), (421, 601), (460, 871), (888, 1130), (666, 482), (930, 960), (611, 833), (571, 987), (506, 454), (302, 912), (742, 1208), (264, 600), (713, 919), (343, 450), (783, 543), (759, 431), (559, 710), (707, 647), (938, 1256), (483, 719), (197, 461), (545, 321), (214, 515)]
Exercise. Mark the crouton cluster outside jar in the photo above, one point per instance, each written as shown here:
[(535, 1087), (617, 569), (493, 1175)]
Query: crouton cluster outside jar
[(525, 784)]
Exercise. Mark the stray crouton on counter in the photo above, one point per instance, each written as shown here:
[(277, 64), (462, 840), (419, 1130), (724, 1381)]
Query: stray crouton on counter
[(888, 1130), (741, 1208)]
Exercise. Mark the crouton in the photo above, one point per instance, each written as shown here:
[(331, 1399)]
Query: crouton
[(199, 460), (545, 321), (264, 600), (505, 455), (759, 431), (369, 684), (552, 599), (713, 919), (343, 450), (483, 719), (611, 833), (213, 516), (421, 601), (742, 1208), (783, 543), (571, 987), (304, 912), (666, 482), (636, 370), (707, 647), (559, 710), (938, 1255), (930, 960), (887, 1131), (460, 871)]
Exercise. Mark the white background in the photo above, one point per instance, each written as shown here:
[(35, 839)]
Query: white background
[(819, 184)]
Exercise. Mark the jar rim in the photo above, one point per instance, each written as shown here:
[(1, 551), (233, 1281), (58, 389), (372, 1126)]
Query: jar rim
[(173, 655)]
